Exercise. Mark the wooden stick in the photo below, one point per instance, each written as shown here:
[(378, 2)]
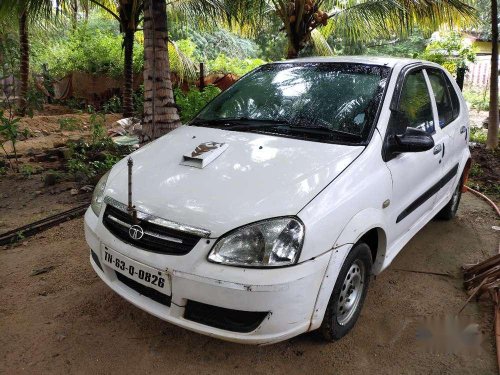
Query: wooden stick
[(472, 295)]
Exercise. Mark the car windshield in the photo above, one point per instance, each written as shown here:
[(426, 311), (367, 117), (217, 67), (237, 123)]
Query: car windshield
[(326, 102)]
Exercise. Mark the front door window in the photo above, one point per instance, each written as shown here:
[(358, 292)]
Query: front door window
[(415, 102)]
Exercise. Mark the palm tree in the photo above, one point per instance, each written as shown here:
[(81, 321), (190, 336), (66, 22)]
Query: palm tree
[(128, 13), (24, 66), (353, 20), (160, 113), (25, 11), (492, 138)]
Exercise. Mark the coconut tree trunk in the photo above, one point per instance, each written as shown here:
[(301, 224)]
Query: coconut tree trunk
[(24, 63), (293, 48), (492, 139), (128, 41), (160, 112)]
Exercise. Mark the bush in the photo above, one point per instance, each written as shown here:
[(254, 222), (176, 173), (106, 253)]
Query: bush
[(113, 105), (88, 48), (451, 51), (193, 101), (90, 160), (478, 135), (224, 64), (478, 99)]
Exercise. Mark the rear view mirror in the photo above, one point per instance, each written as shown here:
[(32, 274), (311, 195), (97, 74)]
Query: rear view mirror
[(413, 140)]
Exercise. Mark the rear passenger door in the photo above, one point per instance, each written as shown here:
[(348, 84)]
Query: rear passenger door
[(447, 106), (415, 175)]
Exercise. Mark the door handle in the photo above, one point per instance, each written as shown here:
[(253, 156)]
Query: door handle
[(437, 149), (463, 130)]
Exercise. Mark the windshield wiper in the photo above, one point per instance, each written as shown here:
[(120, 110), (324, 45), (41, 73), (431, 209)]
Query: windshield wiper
[(235, 123), (324, 130), (274, 126)]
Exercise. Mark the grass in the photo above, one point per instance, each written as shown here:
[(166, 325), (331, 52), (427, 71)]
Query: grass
[(476, 170)]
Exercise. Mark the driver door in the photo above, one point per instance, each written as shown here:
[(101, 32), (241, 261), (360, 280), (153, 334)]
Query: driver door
[(415, 175)]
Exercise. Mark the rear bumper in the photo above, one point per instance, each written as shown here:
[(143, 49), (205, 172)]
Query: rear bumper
[(287, 294)]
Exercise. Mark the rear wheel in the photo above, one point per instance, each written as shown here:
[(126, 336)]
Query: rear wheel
[(348, 294), (450, 210)]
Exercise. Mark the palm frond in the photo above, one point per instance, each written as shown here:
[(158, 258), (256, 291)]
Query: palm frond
[(319, 43), (364, 21), (180, 63), (202, 13)]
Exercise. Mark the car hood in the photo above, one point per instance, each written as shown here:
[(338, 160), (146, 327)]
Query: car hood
[(256, 177)]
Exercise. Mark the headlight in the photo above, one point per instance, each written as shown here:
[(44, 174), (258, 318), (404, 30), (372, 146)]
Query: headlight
[(98, 196), (269, 243)]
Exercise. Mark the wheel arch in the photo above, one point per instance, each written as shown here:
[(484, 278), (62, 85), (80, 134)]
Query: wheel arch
[(367, 226)]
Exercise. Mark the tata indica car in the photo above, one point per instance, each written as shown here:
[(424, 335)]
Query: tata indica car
[(266, 215)]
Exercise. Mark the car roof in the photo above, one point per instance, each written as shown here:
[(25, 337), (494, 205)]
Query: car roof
[(370, 60)]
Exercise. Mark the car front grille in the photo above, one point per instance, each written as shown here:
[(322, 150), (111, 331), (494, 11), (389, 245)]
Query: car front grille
[(156, 238)]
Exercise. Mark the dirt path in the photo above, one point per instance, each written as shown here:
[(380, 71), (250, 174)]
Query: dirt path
[(68, 321)]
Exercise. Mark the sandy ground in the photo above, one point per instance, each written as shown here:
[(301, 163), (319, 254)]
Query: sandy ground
[(68, 321), (477, 117), (46, 132)]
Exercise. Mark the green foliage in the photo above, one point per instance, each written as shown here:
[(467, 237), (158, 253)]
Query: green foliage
[(138, 98), (89, 160), (207, 45), (479, 135), (224, 64), (89, 48), (34, 101), (193, 101), (27, 170), (478, 99), (451, 51), (9, 50), (10, 131), (68, 123), (409, 47), (476, 170), (98, 128), (113, 105)]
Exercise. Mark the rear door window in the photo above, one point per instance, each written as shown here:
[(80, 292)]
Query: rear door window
[(447, 105)]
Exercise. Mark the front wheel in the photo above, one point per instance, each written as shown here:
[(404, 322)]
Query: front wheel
[(348, 294)]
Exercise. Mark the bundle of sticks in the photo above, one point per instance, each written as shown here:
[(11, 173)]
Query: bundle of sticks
[(485, 277), (482, 277)]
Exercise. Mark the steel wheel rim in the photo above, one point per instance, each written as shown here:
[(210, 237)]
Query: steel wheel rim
[(351, 292)]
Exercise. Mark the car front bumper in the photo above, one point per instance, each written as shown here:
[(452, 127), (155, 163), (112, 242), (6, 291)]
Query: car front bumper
[(287, 295)]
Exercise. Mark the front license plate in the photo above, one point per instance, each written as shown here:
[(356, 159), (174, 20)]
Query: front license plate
[(148, 276)]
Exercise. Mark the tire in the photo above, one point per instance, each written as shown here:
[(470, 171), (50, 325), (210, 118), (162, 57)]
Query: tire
[(342, 313), (449, 211)]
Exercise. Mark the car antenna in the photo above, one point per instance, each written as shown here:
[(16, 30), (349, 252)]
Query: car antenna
[(131, 208)]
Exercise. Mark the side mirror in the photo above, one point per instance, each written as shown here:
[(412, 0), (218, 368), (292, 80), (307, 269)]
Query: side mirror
[(413, 140)]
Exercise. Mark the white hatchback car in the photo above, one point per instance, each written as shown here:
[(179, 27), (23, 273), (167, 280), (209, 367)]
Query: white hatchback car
[(266, 215)]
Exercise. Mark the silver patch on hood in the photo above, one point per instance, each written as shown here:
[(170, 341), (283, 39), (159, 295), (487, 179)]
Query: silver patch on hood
[(204, 154)]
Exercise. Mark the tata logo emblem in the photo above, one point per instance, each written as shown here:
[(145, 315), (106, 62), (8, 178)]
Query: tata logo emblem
[(136, 232)]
